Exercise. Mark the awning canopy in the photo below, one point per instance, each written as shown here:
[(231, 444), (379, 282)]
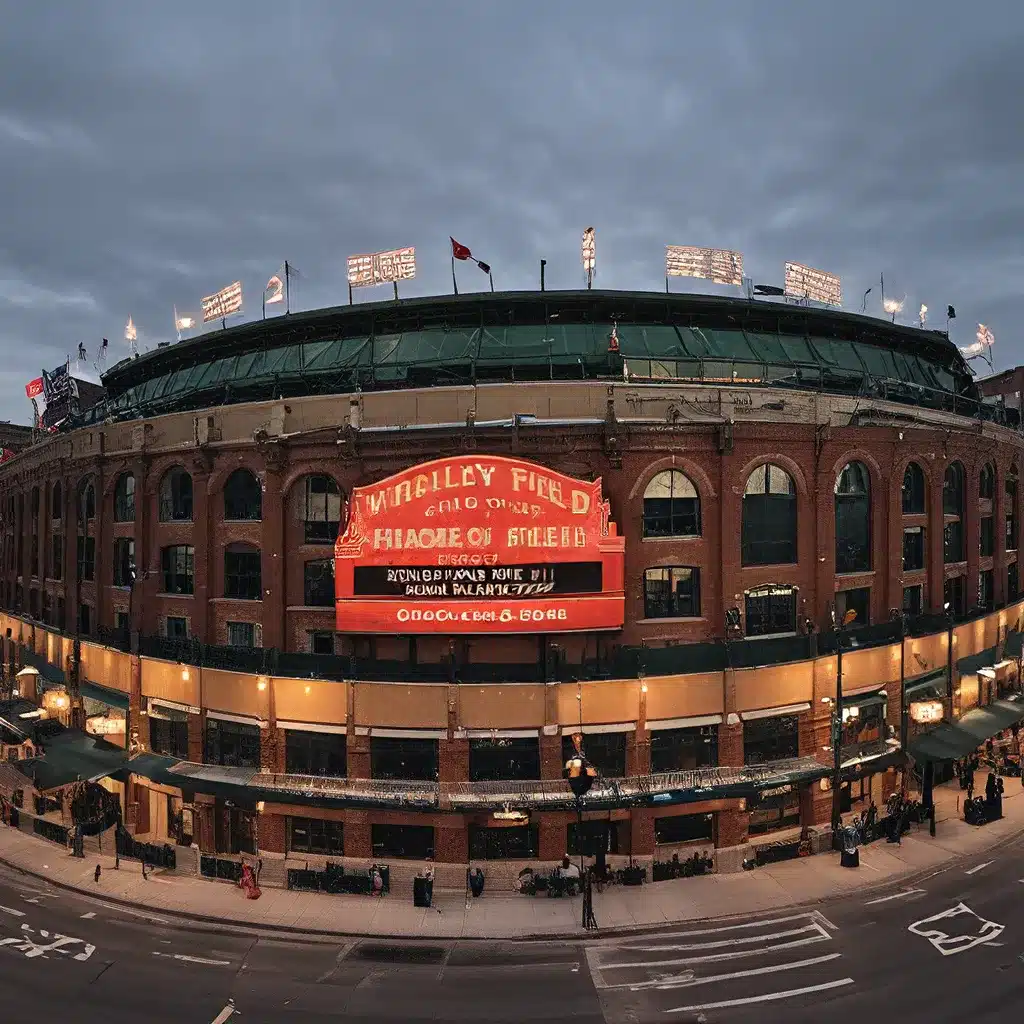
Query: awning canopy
[(983, 659), (70, 756), (1014, 646), (929, 684), (864, 699), (949, 742), (104, 695)]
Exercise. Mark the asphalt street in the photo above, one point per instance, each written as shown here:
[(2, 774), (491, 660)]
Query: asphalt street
[(948, 947)]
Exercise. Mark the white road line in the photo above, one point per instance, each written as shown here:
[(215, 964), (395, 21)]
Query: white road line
[(89, 916), (718, 956), (768, 997), (125, 910), (760, 923), (895, 896), (225, 1013), (665, 984), (193, 960), (984, 864), (820, 917), (12, 911), (741, 941)]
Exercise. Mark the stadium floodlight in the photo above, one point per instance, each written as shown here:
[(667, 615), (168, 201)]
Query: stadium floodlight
[(922, 315), (982, 346), (588, 254), (893, 306), (805, 282)]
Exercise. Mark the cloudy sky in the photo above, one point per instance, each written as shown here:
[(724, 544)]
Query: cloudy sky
[(150, 157)]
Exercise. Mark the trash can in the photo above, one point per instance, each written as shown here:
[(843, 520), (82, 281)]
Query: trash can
[(422, 891)]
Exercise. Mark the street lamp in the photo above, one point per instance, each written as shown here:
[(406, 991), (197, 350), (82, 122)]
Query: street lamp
[(837, 728), (580, 774)]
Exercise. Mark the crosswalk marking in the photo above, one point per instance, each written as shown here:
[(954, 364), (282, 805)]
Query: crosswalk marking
[(765, 997), (692, 982)]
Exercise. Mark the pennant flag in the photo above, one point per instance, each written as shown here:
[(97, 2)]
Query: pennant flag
[(183, 323), (34, 388), (130, 334), (462, 252), (950, 313), (613, 341), (81, 351), (274, 292)]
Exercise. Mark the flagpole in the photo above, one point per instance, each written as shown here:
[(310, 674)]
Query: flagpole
[(176, 327), (543, 264), (350, 293), (287, 288), (455, 284), (490, 277), (395, 283)]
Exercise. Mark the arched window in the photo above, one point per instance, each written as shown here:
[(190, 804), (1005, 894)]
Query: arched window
[(987, 482), (1011, 509), (671, 506), (124, 499), (769, 517), (176, 496), (243, 497), (86, 501), (913, 490), (57, 502), (321, 509), (953, 513), (853, 518), (242, 572)]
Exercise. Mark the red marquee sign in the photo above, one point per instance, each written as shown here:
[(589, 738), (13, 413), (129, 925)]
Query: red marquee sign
[(479, 544)]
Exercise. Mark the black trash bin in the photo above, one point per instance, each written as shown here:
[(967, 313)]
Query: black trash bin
[(422, 892)]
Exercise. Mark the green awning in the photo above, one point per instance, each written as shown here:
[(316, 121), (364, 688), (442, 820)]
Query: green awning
[(1014, 646), (927, 685), (70, 756), (983, 659), (949, 742), (105, 695), (871, 699)]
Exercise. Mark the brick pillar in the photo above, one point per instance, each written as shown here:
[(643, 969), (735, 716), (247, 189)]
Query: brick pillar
[(893, 590), (196, 737), (203, 556), (273, 561), (453, 761), (641, 825), (145, 578), (730, 732), (103, 569), (824, 556), (357, 756), (272, 833), (70, 557), (815, 805), (638, 751), (141, 801), (358, 835), (730, 530), (999, 530), (936, 524), (972, 535), (136, 721), (552, 837), (205, 831), (451, 841), (271, 749), (731, 832)]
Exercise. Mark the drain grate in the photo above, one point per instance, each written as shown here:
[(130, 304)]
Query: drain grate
[(399, 954)]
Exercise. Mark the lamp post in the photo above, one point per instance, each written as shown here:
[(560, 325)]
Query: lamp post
[(948, 608), (837, 728), (580, 774)]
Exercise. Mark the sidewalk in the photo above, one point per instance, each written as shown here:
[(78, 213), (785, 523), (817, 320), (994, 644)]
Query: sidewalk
[(504, 915)]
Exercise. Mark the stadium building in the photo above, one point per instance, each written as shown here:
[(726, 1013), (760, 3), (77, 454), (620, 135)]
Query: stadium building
[(350, 580)]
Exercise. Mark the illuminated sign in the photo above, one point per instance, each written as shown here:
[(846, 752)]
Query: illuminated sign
[(722, 266), (479, 544), (927, 711), (817, 285), (382, 267), (226, 302)]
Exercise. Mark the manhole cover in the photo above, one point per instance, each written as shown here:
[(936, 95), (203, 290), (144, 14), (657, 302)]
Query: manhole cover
[(395, 954)]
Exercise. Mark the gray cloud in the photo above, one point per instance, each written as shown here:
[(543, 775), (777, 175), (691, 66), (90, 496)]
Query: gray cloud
[(149, 156)]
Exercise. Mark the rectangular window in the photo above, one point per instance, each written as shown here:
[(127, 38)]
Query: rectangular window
[(953, 542), (412, 842), (672, 592), (178, 566), (986, 590), (86, 548), (57, 557), (519, 842), (773, 813), (684, 828), (314, 753), (318, 583), (413, 759), (987, 537), (241, 634), (121, 621), (312, 835), (35, 555), (955, 595), (857, 600), (169, 735), (124, 561), (606, 750), (321, 641), (912, 600), (680, 750), (85, 619), (771, 739), (242, 575), (232, 744), (323, 510), (913, 548), (1012, 582), (504, 759), (770, 610), (597, 835), (176, 627)]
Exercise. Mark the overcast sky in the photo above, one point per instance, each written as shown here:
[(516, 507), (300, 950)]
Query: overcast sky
[(150, 154)]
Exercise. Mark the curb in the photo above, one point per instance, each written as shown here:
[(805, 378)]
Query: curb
[(293, 933)]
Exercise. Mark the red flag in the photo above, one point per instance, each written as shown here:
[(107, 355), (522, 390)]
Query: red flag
[(460, 251), (34, 388)]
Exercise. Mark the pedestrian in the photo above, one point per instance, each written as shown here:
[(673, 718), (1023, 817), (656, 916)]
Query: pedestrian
[(970, 784), (96, 873)]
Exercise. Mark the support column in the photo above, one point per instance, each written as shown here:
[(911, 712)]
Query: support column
[(936, 527), (201, 543), (972, 538), (999, 530), (274, 555)]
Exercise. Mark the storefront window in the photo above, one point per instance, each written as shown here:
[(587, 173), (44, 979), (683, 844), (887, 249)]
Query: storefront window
[(169, 736), (412, 842), (774, 811), (504, 759), (864, 726), (597, 835), (677, 750), (311, 835), (232, 744), (770, 739), (684, 828), (315, 753), (771, 610), (520, 842), (413, 759), (858, 601), (605, 750)]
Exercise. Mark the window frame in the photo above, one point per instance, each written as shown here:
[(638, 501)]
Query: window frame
[(689, 517), (674, 607)]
